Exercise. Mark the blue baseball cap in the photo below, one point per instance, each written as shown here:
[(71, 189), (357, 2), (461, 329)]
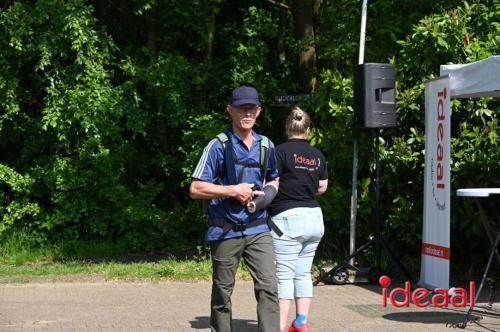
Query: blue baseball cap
[(244, 95)]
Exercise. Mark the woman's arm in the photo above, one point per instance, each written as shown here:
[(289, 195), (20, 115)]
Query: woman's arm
[(323, 185)]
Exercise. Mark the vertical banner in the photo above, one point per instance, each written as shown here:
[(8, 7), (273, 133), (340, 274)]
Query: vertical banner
[(435, 265)]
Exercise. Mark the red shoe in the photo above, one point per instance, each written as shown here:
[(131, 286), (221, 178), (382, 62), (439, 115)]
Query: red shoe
[(286, 329), (303, 328)]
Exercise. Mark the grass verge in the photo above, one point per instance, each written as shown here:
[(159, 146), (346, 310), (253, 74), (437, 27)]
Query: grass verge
[(21, 260)]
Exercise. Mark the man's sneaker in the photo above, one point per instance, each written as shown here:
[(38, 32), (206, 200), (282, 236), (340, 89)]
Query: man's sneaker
[(286, 329), (303, 328)]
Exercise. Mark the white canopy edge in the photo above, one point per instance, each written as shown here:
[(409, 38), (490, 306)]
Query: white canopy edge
[(474, 80)]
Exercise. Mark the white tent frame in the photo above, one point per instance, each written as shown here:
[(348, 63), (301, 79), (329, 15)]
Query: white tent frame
[(474, 80)]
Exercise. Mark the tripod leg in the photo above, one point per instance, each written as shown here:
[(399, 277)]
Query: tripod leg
[(395, 259), (361, 249), (331, 273)]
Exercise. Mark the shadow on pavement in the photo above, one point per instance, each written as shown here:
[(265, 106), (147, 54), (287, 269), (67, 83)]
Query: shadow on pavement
[(242, 325), (426, 317), (451, 319)]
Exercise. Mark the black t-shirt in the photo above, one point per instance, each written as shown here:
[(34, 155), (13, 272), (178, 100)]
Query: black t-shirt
[(300, 168)]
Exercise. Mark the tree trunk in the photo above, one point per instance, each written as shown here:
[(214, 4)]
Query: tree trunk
[(210, 34), (281, 41), (157, 102), (303, 14), (151, 37)]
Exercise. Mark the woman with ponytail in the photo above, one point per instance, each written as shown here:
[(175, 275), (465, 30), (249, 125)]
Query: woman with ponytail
[(303, 175)]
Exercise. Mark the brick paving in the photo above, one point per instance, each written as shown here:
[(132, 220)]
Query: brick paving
[(183, 306)]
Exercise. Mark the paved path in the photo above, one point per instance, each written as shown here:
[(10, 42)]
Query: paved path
[(180, 306)]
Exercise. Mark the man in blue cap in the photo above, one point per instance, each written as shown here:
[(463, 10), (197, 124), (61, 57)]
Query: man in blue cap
[(228, 173)]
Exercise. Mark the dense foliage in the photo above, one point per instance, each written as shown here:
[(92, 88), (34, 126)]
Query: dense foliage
[(106, 106)]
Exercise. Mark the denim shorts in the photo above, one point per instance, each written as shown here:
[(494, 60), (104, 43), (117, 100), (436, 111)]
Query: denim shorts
[(302, 231)]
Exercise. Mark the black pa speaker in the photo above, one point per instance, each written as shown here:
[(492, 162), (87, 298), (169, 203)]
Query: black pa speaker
[(375, 95)]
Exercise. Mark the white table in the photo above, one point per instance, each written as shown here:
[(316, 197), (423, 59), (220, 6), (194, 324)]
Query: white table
[(477, 192), (481, 192)]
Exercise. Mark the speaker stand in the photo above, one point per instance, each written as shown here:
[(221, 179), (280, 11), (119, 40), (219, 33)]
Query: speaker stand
[(338, 274)]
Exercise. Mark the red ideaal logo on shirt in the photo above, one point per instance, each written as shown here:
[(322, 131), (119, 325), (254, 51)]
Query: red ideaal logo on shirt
[(304, 161), (438, 299)]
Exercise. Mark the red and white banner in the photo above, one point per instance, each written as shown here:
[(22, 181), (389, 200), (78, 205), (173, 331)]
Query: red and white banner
[(435, 266)]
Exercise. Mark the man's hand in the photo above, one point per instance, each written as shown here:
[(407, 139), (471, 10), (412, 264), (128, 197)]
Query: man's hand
[(243, 192)]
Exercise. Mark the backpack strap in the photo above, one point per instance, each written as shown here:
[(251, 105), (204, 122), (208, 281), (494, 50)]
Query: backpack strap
[(264, 156), (222, 137), (229, 158)]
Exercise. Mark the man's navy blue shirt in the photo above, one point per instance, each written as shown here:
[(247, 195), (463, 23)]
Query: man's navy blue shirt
[(211, 168)]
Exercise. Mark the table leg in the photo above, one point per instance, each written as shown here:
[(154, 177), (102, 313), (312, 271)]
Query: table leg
[(487, 227), (476, 297)]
